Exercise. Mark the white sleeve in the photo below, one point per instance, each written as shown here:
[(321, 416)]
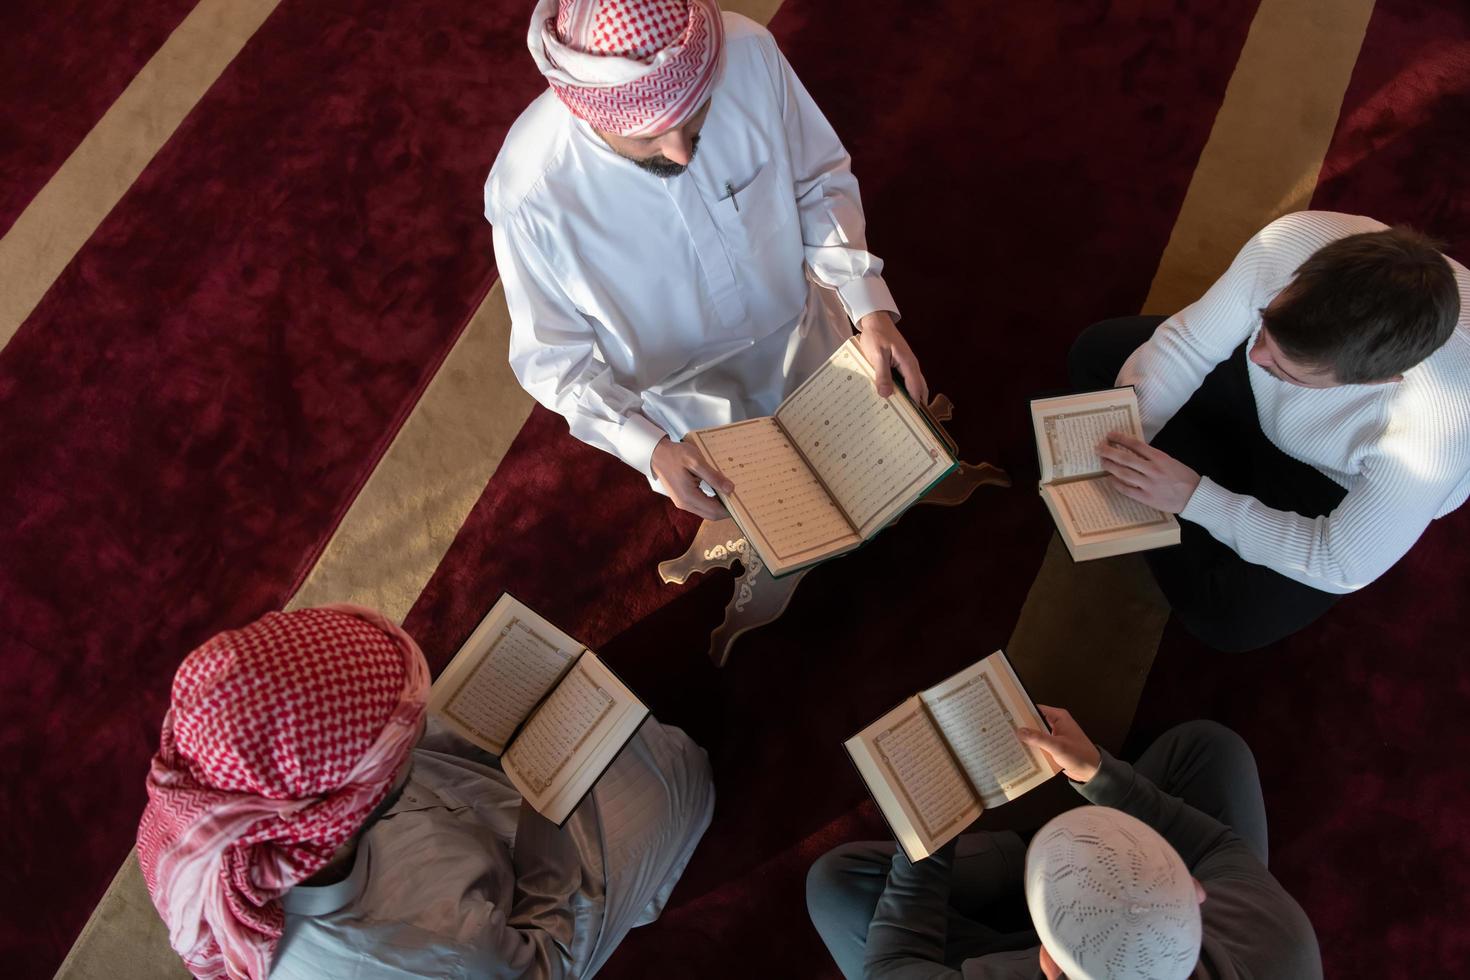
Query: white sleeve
[(1378, 521), (833, 229), (1170, 366), (554, 354)]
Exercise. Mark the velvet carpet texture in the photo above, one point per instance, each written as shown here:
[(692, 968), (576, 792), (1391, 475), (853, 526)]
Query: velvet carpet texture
[(63, 63), (193, 405), (1358, 722)]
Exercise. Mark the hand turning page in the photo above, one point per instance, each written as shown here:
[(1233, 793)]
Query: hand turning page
[(831, 468), (778, 500), (978, 711), (1094, 518), (1071, 435), (940, 759)]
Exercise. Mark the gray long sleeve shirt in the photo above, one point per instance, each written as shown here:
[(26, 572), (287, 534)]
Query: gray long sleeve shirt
[(1252, 927), (462, 881)]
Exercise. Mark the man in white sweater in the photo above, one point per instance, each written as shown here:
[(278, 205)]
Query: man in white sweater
[(1307, 418)]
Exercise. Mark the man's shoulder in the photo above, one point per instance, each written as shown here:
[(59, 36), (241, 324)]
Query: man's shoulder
[(1434, 398), (1252, 926), (748, 45), (740, 28), (1303, 232), (532, 147)]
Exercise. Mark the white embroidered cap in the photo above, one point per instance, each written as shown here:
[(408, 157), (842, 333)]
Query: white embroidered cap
[(1111, 899)]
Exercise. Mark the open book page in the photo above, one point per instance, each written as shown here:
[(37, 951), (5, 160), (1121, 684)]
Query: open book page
[(876, 455), (506, 666), (914, 779), (978, 711), (1091, 508), (572, 738), (777, 500), (1069, 428)]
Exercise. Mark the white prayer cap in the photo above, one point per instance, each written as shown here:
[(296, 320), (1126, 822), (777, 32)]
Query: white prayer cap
[(1111, 899)]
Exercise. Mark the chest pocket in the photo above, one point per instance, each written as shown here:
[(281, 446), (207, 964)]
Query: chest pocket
[(758, 210)]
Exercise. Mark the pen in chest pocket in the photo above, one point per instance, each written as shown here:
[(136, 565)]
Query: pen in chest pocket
[(730, 193)]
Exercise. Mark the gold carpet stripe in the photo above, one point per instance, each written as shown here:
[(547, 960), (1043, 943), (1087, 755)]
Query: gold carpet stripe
[(408, 513), (60, 219), (1268, 142), (1089, 633)]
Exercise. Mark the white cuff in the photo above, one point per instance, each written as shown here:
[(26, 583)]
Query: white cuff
[(1210, 507), (636, 440), (865, 295)]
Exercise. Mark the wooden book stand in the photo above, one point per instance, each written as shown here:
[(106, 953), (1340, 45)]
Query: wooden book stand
[(759, 598)]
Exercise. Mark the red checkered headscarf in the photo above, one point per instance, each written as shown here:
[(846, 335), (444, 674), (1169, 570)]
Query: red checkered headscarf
[(630, 67), (279, 741)]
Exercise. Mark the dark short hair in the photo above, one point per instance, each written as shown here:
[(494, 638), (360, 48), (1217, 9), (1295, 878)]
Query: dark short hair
[(1368, 306)]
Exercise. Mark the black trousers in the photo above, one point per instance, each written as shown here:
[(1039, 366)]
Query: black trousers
[(1224, 600)]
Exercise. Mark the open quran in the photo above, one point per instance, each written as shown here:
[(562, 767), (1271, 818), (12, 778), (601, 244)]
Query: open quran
[(830, 469), (946, 755), (1095, 520), (550, 708)]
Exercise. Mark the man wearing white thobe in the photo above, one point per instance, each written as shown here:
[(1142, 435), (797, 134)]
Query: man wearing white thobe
[(654, 289)]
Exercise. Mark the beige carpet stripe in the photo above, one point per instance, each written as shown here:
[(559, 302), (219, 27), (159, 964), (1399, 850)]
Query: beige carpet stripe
[(60, 219), (411, 508), (1087, 636), (125, 939), (1088, 633), (1268, 142)]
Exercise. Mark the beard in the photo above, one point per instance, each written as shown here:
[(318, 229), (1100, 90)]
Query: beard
[(661, 166)]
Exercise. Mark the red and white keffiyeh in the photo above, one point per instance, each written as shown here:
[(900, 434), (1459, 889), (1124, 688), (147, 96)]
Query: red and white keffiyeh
[(629, 67), (280, 739)]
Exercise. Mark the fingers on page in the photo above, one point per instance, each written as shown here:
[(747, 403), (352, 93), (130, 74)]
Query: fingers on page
[(698, 503), (1128, 489), (1137, 446), (1060, 716), (706, 471), (884, 365), (1052, 715), (914, 379)]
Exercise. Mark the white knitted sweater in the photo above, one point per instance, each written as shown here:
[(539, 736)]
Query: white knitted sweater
[(1401, 449)]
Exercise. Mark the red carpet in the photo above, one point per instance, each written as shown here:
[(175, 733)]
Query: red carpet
[(64, 62), (1359, 722), (196, 401)]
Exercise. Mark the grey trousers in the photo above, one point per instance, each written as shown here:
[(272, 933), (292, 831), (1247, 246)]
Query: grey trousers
[(1203, 763)]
